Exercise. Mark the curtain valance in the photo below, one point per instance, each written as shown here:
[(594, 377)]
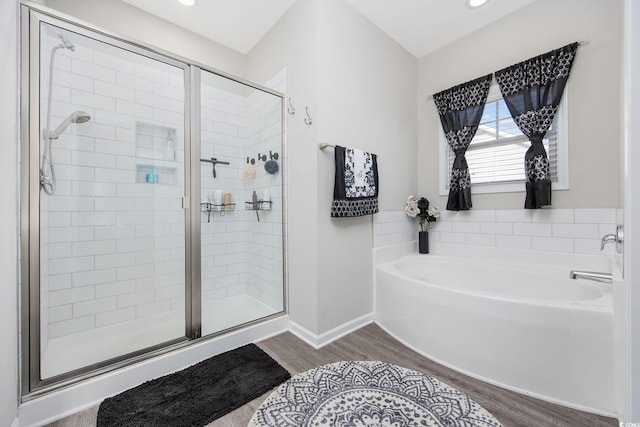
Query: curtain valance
[(460, 109), (532, 90)]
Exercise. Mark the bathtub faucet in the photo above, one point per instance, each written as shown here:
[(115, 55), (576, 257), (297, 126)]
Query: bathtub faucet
[(607, 238), (613, 238), (591, 275)]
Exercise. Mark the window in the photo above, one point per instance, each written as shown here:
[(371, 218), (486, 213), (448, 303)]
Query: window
[(496, 153)]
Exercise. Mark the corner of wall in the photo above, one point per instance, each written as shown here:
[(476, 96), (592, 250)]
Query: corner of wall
[(290, 44), (318, 341), (366, 99)]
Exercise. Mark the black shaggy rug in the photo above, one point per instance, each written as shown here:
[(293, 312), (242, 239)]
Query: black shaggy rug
[(196, 395)]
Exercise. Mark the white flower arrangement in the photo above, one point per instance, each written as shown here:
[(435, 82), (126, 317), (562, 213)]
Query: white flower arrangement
[(420, 207)]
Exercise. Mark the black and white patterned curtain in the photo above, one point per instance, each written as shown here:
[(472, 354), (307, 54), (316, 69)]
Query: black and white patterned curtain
[(532, 91), (460, 109)]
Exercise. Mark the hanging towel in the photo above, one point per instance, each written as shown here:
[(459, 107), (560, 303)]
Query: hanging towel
[(355, 191)]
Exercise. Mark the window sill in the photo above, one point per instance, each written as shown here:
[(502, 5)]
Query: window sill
[(510, 187)]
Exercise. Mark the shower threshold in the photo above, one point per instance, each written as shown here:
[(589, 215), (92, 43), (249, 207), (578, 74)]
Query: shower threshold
[(65, 354)]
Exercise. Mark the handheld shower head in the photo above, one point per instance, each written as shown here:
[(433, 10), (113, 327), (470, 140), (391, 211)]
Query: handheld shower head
[(80, 117), (47, 170), (75, 117)]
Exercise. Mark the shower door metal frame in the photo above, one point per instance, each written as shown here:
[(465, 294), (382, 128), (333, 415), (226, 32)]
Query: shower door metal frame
[(31, 16), (30, 201)]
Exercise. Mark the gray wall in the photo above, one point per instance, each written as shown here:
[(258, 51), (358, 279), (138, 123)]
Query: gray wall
[(360, 88), (283, 46), (593, 93), (366, 88)]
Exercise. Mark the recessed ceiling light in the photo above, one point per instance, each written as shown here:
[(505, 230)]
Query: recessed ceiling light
[(475, 3), (187, 2)]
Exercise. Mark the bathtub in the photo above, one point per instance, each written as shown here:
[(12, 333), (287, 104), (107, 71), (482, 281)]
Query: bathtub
[(511, 318)]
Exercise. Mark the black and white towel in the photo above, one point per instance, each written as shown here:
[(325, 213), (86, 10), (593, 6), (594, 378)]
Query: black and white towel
[(355, 191)]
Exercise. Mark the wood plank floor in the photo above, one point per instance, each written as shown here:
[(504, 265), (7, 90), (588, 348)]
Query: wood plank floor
[(372, 343)]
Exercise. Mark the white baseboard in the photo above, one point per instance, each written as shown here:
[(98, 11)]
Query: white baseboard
[(62, 403), (59, 404), (318, 341)]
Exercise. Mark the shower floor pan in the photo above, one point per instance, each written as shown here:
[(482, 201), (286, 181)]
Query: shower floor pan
[(76, 351)]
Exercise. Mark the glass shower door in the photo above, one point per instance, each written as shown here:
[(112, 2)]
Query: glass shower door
[(241, 203), (112, 224), (151, 203)]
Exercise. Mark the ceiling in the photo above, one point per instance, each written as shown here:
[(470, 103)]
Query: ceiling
[(423, 26), (420, 26), (238, 24)]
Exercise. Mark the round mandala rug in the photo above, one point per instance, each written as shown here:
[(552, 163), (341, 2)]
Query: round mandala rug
[(364, 393)]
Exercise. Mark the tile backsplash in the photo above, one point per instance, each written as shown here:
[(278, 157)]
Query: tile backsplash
[(555, 230)]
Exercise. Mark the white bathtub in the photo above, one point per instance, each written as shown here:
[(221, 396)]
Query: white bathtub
[(511, 318)]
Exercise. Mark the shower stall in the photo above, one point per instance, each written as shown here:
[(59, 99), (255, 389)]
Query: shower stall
[(152, 208)]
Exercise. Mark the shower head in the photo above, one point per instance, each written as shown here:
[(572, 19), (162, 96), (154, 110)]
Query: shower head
[(66, 43), (75, 117)]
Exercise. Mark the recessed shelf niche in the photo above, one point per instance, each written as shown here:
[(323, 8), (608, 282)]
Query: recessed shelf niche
[(158, 144), (153, 174), (155, 142)]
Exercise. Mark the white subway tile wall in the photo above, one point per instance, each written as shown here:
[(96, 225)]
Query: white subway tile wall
[(112, 243), (239, 253), (555, 230)]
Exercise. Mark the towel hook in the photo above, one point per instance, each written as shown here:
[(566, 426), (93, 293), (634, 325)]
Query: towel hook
[(290, 109), (307, 120)]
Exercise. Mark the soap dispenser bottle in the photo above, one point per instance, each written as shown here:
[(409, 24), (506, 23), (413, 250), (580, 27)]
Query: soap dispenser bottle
[(254, 199), (169, 149)]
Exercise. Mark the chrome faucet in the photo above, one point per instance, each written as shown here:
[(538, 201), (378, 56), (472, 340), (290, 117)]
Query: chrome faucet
[(607, 238), (617, 238), (591, 275)]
